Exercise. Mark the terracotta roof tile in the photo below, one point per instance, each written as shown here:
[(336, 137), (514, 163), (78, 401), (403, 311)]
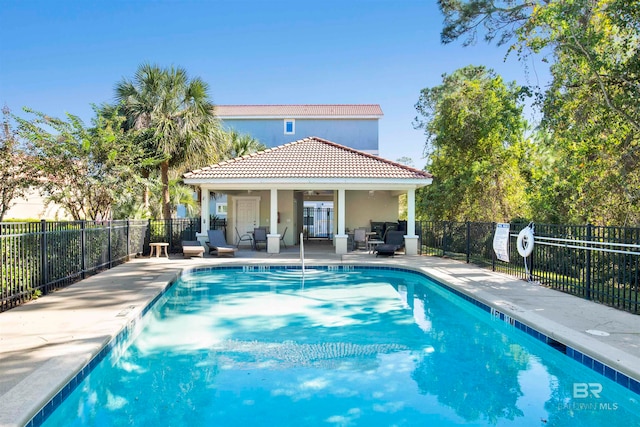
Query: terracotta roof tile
[(308, 158), (303, 110)]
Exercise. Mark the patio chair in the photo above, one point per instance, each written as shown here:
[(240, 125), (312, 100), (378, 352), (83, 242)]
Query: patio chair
[(359, 238), (282, 237), (259, 237), (390, 226), (378, 228), (192, 248), (243, 238), (394, 242), (218, 244)]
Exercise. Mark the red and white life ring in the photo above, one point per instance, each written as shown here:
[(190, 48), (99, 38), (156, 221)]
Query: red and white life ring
[(525, 241)]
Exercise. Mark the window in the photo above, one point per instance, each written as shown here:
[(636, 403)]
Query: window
[(289, 126), (221, 208)]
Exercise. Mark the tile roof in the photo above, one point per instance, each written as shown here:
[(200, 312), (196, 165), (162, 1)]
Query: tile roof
[(308, 158), (293, 111)]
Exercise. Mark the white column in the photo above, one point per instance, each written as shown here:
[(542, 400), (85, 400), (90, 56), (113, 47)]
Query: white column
[(341, 237), (273, 238), (411, 240), (411, 212), (341, 211)]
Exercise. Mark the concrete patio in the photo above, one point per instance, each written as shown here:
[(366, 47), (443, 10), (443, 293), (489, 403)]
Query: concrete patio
[(44, 343)]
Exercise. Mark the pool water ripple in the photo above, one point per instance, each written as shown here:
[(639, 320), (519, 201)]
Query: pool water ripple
[(363, 347)]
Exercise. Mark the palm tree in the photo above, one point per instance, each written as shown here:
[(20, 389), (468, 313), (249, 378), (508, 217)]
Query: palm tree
[(179, 193), (174, 117), (237, 144)]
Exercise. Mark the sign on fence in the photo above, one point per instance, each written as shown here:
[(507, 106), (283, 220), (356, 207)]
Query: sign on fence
[(501, 242)]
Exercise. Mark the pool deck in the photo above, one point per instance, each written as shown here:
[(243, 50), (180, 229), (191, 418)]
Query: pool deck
[(44, 343)]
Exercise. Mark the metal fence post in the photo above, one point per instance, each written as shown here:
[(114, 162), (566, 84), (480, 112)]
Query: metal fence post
[(170, 236), (148, 236), (444, 238), (127, 233), (468, 241), (588, 263), (83, 248), (109, 246), (44, 262)]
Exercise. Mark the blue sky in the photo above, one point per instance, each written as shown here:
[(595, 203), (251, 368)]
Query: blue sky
[(63, 56)]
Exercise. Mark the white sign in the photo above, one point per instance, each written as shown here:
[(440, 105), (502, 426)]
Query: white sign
[(501, 242)]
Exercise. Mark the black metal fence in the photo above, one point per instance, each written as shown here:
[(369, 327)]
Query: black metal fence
[(173, 231), (597, 263), (39, 257), (601, 264)]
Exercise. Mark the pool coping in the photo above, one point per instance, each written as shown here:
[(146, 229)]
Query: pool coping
[(55, 376)]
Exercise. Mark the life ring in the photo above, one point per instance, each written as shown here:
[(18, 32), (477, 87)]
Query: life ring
[(525, 242)]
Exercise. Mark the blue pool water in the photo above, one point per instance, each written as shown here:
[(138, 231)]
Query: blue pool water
[(337, 348)]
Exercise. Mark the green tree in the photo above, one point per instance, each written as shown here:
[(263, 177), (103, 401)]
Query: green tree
[(501, 19), (180, 194), (16, 174), (474, 127), (174, 118), (592, 113), (591, 109), (596, 160), (598, 38), (540, 166), (237, 145), (85, 170), (135, 205)]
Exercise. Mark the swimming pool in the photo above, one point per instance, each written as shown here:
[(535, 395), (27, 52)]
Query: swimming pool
[(352, 346)]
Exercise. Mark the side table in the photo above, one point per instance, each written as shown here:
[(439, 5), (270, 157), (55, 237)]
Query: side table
[(159, 247)]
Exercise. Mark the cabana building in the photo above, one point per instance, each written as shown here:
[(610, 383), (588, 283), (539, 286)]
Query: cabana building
[(269, 188)]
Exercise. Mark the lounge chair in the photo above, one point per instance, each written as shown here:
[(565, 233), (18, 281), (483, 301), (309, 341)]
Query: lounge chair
[(393, 243), (191, 248), (218, 244)]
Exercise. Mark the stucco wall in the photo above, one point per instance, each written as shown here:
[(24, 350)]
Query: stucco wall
[(285, 207), (287, 216), (363, 207), (361, 134)]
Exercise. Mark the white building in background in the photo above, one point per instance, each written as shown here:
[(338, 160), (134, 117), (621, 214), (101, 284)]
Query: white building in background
[(34, 206)]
